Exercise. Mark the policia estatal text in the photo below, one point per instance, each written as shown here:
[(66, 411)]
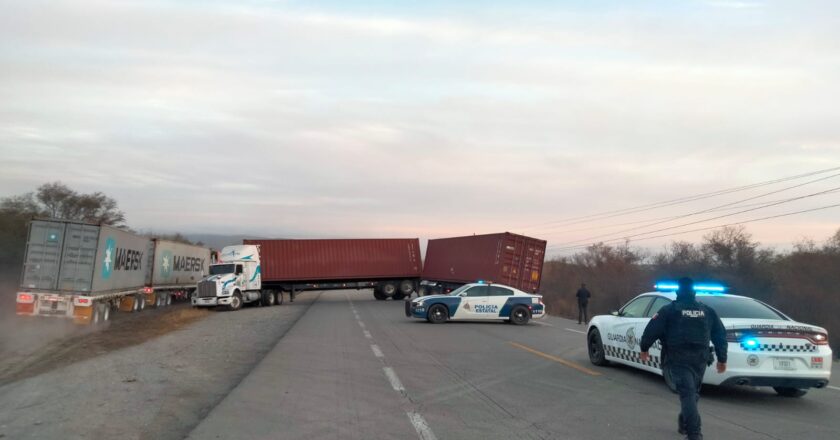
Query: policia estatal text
[(685, 328)]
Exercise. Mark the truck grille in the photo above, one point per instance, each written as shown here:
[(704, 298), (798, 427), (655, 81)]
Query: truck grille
[(206, 289)]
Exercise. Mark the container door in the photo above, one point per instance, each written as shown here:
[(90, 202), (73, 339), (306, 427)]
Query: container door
[(43, 255), (78, 257)]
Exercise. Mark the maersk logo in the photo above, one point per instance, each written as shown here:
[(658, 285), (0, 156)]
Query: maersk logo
[(108, 262), (166, 264)]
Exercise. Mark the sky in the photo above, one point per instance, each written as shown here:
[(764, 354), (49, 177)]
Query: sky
[(425, 119)]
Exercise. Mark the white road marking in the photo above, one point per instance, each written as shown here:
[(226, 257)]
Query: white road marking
[(361, 324), (376, 351), (421, 426), (576, 331), (543, 323), (395, 381), (367, 334), (834, 388)]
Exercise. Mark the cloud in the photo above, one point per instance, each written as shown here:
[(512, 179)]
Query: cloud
[(321, 121)]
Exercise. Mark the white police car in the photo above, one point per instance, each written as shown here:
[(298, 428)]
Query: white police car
[(766, 347), (478, 301)]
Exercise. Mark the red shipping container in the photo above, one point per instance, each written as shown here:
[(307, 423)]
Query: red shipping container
[(339, 259), (505, 258)]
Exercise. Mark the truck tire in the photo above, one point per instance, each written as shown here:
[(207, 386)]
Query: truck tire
[(278, 298), (168, 299), (135, 304), (398, 296), (266, 298), (388, 288), (105, 312), (235, 301), (94, 316), (379, 295), (406, 287), (142, 300)]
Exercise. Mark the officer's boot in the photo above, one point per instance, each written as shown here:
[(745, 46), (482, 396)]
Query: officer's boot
[(681, 425)]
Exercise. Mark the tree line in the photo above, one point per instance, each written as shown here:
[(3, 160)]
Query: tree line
[(803, 282)]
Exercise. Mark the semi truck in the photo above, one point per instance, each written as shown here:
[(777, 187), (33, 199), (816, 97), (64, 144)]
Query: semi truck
[(261, 270), (87, 271), (503, 258)]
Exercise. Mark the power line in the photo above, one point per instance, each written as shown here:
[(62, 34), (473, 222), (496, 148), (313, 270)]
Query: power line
[(713, 227), (672, 202), (704, 211)]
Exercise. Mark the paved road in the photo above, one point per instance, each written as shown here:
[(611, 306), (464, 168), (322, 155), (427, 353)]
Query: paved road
[(355, 368)]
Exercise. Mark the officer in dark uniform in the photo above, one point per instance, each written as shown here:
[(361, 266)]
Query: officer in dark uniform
[(685, 328)]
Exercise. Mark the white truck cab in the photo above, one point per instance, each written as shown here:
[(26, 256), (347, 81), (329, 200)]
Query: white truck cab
[(234, 280)]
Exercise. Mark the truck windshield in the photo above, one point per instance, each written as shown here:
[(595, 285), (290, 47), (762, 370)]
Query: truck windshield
[(218, 269)]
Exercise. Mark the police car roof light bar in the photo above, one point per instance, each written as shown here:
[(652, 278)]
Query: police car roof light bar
[(670, 286)]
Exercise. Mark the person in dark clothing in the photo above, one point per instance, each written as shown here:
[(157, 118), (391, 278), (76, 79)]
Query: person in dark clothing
[(685, 328), (583, 301)]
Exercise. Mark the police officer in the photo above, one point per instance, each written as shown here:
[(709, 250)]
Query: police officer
[(685, 328), (583, 296)]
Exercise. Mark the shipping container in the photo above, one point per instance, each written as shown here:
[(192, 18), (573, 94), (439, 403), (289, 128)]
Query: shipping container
[(504, 258), (391, 266), (84, 271), (178, 264)]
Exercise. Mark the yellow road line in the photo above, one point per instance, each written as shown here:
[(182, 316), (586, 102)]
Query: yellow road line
[(569, 364)]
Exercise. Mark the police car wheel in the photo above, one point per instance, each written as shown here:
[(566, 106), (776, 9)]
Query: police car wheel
[(790, 392), (596, 349), (519, 316), (437, 314)]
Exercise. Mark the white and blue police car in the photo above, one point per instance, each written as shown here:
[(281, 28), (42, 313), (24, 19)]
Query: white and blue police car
[(478, 301), (766, 347)]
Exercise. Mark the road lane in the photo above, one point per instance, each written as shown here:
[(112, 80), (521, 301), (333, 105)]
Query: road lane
[(325, 379)]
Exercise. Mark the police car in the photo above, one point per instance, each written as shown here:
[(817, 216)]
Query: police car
[(766, 347), (478, 301)]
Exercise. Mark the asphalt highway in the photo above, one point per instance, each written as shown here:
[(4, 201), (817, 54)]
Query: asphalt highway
[(355, 368)]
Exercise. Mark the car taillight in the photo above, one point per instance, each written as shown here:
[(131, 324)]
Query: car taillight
[(819, 338), (83, 301), (147, 290), (25, 297)]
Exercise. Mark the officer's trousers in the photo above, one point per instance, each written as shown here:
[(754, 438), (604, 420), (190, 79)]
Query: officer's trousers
[(582, 313), (688, 376)]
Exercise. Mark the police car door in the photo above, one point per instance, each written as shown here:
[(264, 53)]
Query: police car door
[(474, 303), (623, 338), (499, 296), (656, 348)]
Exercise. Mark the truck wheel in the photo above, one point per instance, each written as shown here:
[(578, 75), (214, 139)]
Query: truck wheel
[(406, 287), (519, 315), (267, 298), (106, 312), (398, 296), (158, 301), (596, 349), (437, 314), (379, 295), (136, 304), (142, 305), (168, 299), (278, 298), (790, 391), (388, 288), (94, 317), (235, 301)]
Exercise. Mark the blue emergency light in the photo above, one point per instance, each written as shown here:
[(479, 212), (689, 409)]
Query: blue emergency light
[(750, 342), (670, 286)]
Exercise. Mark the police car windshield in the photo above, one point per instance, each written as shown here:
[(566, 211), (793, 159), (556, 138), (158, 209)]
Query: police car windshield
[(460, 289), (744, 308), (219, 269)]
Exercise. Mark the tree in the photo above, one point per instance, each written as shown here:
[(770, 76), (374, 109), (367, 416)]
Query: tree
[(59, 201)]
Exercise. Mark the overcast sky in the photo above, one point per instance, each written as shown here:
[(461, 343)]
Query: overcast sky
[(422, 119)]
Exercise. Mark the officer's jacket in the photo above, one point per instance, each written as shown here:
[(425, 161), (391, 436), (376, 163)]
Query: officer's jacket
[(686, 324)]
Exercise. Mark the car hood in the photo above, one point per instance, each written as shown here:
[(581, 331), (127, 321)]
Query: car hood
[(768, 324)]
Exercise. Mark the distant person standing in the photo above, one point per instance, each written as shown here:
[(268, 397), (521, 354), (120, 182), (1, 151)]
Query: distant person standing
[(583, 296)]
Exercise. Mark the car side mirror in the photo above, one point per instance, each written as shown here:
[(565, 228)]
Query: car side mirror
[(615, 313)]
